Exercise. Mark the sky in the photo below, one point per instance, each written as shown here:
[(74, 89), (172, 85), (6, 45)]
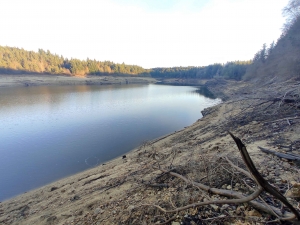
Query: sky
[(148, 33)]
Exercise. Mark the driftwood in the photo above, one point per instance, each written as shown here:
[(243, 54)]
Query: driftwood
[(281, 155)]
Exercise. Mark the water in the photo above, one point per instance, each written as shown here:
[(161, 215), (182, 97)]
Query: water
[(48, 133)]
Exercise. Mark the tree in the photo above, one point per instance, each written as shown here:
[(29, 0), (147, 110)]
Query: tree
[(271, 48), (292, 13), (263, 53)]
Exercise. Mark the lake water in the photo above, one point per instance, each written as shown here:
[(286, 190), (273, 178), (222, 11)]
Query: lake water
[(48, 133)]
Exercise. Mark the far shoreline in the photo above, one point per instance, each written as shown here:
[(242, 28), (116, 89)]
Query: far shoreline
[(28, 80)]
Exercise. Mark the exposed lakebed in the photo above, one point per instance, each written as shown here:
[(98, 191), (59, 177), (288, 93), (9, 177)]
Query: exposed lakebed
[(48, 133)]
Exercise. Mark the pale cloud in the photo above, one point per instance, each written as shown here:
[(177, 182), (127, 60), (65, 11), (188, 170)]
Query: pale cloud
[(184, 34)]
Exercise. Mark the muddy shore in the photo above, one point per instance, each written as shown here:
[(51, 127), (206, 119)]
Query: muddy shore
[(26, 80), (125, 190)]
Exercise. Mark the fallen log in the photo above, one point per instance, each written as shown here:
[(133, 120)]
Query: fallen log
[(280, 155)]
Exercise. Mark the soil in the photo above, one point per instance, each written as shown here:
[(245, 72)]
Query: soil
[(126, 189), (38, 80)]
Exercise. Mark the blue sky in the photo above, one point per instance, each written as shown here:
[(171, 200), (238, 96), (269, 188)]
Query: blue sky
[(149, 33)]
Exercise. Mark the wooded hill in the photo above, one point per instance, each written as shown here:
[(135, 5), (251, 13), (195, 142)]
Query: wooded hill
[(16, 60), (281, 61)]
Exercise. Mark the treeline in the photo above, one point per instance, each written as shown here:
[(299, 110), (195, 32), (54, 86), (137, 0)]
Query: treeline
[(281, 59), (16, 59), (231, 70)]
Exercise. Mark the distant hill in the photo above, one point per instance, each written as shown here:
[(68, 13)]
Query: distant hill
[(16, 60)]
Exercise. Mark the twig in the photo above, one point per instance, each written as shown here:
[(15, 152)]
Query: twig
[(158, 185), (238, 168)]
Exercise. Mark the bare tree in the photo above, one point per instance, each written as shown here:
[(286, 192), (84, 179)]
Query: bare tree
[(292, 13)]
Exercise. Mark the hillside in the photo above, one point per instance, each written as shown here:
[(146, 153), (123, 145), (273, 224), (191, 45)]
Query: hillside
[(280, 62)]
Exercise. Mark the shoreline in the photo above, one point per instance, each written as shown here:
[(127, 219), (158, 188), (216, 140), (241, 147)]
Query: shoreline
[(113, 192), (27, 80)]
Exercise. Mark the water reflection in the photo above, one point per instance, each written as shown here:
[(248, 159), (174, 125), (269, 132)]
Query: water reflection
[(204, 91), (20, 96), (51, 132)]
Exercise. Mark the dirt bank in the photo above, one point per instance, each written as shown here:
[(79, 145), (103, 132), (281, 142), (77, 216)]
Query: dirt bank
[(126, 190), (37, 80)]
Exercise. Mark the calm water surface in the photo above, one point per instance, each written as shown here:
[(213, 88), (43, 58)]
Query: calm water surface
[(48, 133)]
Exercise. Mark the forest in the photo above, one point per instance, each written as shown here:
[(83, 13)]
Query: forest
[(15, 60)]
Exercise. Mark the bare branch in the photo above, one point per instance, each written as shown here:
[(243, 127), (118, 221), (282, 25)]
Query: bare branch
[(229, 201), (259, 179)]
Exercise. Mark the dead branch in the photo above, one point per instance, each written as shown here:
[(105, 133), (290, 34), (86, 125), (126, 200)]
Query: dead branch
[(231, 194), (238, 168), (259, 179), (228, 201), (280, 155)]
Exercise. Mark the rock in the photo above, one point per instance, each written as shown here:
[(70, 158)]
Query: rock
[(24, 211), (253, 213), (215, 207), (175, 223), (98, 211), (53, 188), (224, 207), (229, 187), (131, 207), (75, 197), (231, 212), (294, 192), (124, 157), (293, 182), (44, 216), (240, 209), (51, 218)]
